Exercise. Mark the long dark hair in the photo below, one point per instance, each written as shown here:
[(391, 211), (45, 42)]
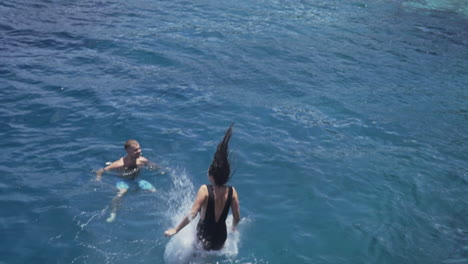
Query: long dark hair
[(220, 169)]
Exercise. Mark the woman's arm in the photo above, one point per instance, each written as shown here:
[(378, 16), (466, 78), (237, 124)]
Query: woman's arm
[(235, 207), (197, 204)]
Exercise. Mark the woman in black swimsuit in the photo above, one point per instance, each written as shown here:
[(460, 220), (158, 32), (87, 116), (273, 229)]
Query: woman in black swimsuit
[(213, 202)]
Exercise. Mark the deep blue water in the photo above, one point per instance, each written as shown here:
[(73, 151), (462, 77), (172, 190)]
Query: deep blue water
[(350, 137)]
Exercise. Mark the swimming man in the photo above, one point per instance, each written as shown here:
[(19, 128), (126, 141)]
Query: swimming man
[(129, 168)]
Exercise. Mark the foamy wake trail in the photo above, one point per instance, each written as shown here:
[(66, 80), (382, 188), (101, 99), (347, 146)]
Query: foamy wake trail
[(180, 248)]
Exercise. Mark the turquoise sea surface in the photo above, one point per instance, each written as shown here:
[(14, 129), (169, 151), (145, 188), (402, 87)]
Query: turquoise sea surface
[(350, 137)]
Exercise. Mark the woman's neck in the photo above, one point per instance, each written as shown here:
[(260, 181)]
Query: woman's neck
[(219, 187)]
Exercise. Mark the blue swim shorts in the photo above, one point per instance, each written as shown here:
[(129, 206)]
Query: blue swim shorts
[(125, 184)]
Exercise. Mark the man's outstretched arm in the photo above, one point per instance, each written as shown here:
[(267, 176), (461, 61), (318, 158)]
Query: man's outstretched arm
[(114, 165)]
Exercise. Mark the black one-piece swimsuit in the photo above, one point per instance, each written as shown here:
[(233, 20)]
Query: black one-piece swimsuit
[(210, 233)]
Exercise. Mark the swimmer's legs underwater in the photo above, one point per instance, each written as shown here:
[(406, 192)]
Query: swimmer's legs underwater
[(123, 188), (115, 204), (145, 185)]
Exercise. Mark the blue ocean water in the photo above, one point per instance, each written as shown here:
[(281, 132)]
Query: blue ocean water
[(350, 137)]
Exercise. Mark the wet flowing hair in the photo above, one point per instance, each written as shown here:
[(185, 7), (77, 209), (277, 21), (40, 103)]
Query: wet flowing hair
[(220, 169)]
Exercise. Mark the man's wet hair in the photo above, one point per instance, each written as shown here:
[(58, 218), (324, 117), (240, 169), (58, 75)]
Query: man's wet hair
[(130, 142)]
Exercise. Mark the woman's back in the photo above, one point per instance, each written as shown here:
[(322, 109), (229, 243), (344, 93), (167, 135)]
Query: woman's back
[(213, 201), (211, 229)]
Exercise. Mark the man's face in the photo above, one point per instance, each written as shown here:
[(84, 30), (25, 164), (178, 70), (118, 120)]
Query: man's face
[(134, 151)]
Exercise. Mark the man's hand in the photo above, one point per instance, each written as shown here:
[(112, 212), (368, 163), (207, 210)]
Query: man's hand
[(99, 174)]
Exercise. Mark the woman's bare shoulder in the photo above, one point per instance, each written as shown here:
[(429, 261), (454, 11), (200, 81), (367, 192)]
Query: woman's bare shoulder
[(234, 192), (203, 188)]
